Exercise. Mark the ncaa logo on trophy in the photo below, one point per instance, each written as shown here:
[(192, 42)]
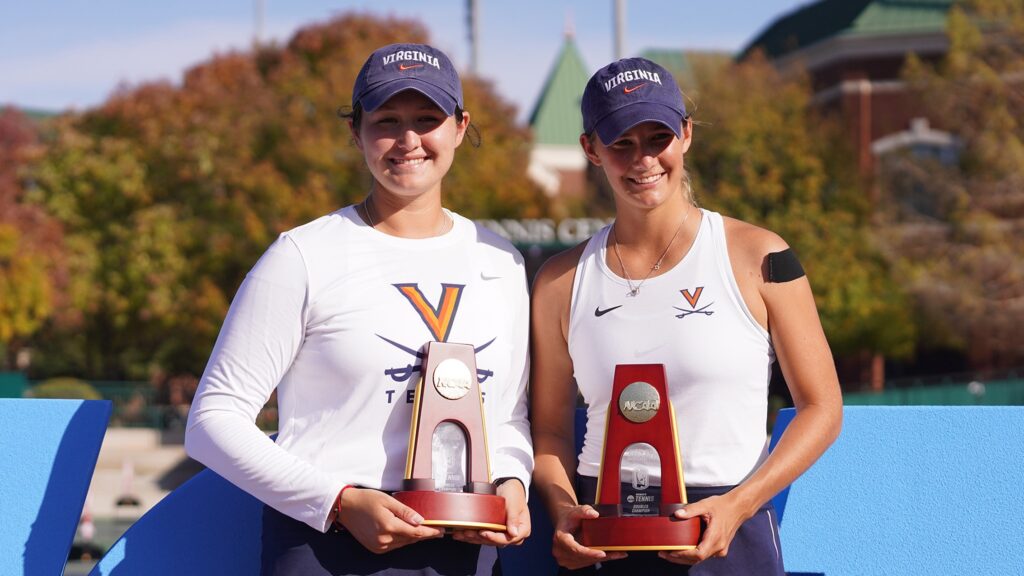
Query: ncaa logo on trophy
[(451, 379)]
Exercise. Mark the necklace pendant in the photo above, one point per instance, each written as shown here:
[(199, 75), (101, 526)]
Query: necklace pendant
[(633, 292)]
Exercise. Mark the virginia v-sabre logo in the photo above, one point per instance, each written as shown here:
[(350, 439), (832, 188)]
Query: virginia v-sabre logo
[(438, 320), (693, 299)]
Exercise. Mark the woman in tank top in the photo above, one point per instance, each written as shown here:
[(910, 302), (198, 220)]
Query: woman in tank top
[(716, 301)]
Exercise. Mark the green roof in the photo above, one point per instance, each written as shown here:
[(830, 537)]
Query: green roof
[(556, 118), (682, 63), (675, 61), (830, 18)]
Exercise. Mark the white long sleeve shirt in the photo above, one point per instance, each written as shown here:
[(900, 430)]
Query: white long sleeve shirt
[(335, 316)]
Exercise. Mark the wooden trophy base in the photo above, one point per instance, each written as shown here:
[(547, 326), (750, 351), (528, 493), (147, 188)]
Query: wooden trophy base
[(456, 509), (640, 533)]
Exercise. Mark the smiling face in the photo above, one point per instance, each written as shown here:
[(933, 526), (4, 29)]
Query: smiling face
[(644, 165), (409, 144)]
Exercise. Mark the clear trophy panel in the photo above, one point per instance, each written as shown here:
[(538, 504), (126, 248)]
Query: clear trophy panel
[(640, 477), (448, 457)]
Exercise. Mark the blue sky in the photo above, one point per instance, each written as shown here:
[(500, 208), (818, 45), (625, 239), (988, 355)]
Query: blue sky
[(72, 53)]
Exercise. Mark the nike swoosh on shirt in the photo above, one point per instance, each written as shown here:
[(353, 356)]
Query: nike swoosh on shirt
[(404, 67), (598, 312), (627, 89)]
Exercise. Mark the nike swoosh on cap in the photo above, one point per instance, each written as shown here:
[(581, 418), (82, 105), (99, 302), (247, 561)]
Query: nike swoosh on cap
[(404, 67), (627, 89)]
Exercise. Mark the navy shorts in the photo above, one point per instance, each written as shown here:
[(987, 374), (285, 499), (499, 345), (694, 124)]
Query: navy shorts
[(292, 548), (755, 549)]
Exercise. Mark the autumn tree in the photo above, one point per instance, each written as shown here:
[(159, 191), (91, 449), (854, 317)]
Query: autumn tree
[(169, 193), (762, 154), (30, 269), (954, 218), (125, 255)]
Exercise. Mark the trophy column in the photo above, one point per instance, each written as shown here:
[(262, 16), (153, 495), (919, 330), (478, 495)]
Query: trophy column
[(640, 413), (449, 392)]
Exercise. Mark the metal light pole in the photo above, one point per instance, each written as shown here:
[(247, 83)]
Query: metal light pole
[(258, 23), (620, 29), (473, 6)]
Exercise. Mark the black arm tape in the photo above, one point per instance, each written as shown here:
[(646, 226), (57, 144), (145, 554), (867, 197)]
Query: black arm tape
[(784, 266)]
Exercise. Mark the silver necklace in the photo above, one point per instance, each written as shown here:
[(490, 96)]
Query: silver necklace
[(441, 230), (634, 290)]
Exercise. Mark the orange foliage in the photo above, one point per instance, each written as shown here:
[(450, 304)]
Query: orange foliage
[(171, 192)]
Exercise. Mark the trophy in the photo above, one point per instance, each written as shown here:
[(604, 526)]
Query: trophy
[(447, 472), (640, 434)]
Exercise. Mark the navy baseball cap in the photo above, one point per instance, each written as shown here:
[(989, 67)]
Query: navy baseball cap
[(398, 67), (628, 92)]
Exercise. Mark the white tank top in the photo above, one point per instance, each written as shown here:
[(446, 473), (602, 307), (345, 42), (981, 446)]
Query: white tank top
[(693, 320)]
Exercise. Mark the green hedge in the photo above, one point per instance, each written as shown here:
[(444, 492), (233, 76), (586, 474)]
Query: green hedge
[(72, 388)]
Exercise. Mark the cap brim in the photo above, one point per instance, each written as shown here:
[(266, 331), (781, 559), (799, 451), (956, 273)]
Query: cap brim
[(378, 95), (613, 125)]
